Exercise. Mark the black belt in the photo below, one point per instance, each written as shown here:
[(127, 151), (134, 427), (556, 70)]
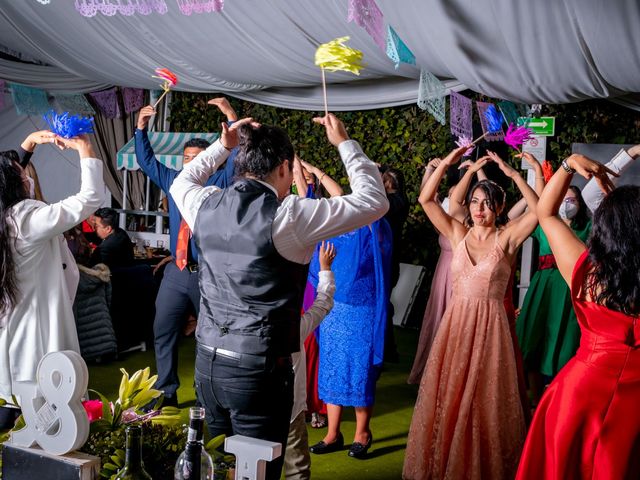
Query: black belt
[(248, 359)]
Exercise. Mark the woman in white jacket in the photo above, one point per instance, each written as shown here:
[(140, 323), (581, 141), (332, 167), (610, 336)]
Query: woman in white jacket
[(37, 281)]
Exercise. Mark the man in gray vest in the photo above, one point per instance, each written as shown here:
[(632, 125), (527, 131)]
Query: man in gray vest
[(254, 244)]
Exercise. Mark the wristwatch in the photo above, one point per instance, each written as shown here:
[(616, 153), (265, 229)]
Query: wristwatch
[(566, 167)]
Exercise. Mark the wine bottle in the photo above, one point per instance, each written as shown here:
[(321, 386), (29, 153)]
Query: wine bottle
[(194, 463), (133, 467)]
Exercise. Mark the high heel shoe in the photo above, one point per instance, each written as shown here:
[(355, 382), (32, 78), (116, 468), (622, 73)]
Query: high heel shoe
[(358, 450), (321, 448)]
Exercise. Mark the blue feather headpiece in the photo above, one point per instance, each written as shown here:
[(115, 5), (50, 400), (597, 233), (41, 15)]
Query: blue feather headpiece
[(494, 119), (68, 126)]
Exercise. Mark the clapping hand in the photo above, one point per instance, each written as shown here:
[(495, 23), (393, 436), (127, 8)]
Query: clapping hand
[(327, 254)]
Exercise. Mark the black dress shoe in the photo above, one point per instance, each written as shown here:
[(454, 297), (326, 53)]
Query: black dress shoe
[(321, 448), (358, 450)]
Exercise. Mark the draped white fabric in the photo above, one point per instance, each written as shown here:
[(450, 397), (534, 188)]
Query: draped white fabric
[(550, 51)]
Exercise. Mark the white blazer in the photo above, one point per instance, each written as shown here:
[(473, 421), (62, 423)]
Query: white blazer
[(47, 278)]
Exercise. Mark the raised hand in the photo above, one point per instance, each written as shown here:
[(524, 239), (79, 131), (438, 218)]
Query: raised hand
[(81, 144), (336, 132), (40, 137), (327, 255), (434, 163), (507, 169), (144, 116), (297, 166), (225, 107), (229, 137), (530, 159), (590, 168), (475, 166), (308, 167), (454, 156)]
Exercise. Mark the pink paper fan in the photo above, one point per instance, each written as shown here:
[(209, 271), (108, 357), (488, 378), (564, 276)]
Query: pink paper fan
[(516, 136), (170, 79), (464, 141)]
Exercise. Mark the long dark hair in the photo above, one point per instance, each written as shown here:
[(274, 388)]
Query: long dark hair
[(496, 200), (12, 191), (614, 251), (582, 217)]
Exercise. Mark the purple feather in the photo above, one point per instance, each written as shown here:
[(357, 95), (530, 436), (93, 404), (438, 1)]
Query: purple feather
[(516, 136), (494, 119), (68, 126)]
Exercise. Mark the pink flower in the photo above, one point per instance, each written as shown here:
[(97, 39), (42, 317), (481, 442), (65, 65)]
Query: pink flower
[(94, 409)]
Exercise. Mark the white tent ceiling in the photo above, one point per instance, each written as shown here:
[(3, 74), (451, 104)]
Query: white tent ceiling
[(549, 51)]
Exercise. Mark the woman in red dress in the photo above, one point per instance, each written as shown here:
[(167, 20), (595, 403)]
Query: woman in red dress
[(587, 424)]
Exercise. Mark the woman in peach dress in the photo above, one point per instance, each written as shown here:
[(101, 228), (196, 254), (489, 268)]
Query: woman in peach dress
[(468, 421)]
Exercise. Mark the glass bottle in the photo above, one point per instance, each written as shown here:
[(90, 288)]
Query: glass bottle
[(194, 463), (133, 466)]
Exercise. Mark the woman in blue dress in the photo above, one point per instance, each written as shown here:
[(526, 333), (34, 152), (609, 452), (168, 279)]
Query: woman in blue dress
[(352, 335)]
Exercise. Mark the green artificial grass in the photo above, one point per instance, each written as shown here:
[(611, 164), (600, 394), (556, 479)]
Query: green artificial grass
[(390, 423)]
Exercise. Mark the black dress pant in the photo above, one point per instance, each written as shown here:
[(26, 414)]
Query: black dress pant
[(179, 295), (251, 396)]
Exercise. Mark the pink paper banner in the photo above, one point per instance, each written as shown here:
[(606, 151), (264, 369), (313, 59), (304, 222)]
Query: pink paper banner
[(367, 15), (461, 115)]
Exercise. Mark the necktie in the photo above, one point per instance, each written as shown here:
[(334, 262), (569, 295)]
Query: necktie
[(182, 245)]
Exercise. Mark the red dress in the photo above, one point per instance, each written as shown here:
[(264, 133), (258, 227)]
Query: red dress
[(587, 425)]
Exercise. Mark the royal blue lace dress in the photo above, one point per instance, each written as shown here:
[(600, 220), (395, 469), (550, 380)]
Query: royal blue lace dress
[(351, 337)]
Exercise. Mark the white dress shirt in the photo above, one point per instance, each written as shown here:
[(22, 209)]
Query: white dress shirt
[(300, 223), (42, 320), (592, 193), (322, 305)]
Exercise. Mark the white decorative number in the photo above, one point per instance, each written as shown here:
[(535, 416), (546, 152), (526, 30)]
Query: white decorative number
[(53, 413)]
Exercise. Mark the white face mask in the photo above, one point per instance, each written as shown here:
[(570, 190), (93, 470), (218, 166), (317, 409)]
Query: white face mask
[(32, 187), (568, 210), (445, 205)]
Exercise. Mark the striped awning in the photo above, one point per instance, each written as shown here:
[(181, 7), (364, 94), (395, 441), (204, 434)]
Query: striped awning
[(168, 147)]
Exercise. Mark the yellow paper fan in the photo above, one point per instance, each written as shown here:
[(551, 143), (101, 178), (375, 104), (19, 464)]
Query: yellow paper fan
[(336, 56)]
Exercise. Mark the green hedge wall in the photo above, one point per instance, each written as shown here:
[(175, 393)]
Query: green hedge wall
[(406, 138)]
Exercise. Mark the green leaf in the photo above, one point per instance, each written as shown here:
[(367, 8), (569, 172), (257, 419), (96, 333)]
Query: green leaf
[(215, 442)]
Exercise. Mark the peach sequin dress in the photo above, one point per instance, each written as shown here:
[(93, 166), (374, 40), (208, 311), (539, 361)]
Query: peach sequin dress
[(468, 421)]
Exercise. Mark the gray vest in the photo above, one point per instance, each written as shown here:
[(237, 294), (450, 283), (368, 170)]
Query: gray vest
[(250, 296)]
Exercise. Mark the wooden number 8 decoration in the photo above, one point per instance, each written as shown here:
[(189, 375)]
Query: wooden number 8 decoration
[(53, 413)]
